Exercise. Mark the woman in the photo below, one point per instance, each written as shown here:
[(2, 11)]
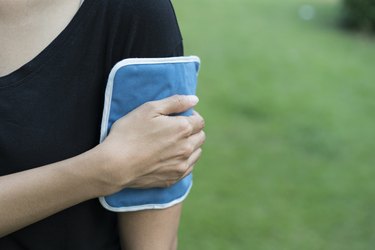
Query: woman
[(55, 57)]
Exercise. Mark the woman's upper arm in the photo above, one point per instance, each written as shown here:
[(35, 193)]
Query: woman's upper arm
[(153, 32), (150, 229), (144, 29)]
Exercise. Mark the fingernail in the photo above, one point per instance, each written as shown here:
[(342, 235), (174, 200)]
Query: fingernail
[(193, 99)]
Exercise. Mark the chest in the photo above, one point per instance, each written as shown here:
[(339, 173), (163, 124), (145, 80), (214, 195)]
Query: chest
[(48, 119), (28, 28)]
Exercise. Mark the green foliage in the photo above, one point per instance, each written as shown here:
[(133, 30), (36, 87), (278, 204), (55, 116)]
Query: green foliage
[(359, 14)]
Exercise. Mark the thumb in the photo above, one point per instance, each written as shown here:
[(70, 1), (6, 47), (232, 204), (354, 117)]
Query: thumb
[(176, 104)]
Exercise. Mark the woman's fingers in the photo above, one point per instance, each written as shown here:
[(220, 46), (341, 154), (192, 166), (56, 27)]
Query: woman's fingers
[(194, 157), (174, 104), (188, 171), (197, 140), (170, 145), (197, 122), (191, 161), (189, 125)]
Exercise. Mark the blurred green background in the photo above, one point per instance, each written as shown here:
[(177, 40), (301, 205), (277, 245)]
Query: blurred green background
[(289, 102)]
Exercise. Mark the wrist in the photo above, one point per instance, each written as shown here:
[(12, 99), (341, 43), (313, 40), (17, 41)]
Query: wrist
[(106, 177), (88, 167)]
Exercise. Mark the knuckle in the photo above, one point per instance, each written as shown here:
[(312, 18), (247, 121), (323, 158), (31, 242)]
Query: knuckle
[(181, 168), (167, 184), (150, 105), (203, 123), (200, 152), (204, 137), (199, 118), (177, 100), (187, 150), (185, 127)]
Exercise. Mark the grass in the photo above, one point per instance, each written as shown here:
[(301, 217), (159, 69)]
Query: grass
[(289, 106)]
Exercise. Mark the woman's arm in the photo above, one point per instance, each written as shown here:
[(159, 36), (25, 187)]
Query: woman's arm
[(169, 146), (29, 196), (150, 229)]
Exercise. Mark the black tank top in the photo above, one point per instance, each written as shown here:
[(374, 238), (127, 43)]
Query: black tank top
[(51, 108)]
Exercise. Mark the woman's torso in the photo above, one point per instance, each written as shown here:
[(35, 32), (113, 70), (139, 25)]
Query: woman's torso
[(51, 105)]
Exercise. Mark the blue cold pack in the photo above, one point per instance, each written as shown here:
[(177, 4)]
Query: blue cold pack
[(131, 83)]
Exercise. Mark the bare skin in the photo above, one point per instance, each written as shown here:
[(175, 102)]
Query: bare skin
[(170, 145), (152, 229), (27, 27)]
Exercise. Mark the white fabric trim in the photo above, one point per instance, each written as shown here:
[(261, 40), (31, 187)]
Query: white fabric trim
[(146, 206), (132, 61), (105, 118)]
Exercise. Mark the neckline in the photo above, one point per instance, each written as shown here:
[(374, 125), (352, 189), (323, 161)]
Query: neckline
[(31, 67)]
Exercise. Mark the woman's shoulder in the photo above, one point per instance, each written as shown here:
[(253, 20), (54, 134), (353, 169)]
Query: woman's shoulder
[(140, 28), (140, 8)]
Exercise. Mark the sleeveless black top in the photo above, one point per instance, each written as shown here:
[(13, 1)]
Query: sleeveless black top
[(51, 108)]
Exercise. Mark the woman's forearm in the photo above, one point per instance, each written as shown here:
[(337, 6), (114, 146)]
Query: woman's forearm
[(32, 195), (146, 148)]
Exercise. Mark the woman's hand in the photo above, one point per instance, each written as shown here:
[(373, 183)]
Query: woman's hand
[(146, 148), (149, 148)]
